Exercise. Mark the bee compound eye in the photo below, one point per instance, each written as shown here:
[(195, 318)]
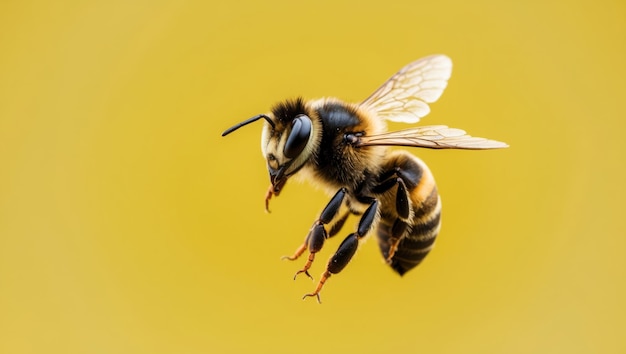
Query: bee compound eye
[(298, 137)]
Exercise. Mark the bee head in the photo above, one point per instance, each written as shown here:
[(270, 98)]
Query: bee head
[(288, 144), (290, 135)]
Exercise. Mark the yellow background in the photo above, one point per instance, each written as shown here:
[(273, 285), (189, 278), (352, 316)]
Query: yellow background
[(128, 225)]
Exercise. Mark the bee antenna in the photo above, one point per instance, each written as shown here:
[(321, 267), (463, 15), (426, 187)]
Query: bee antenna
[(246, 122)]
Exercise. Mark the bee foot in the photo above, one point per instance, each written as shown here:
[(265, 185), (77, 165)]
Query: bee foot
[(305, 271), (306, 267), (316, 294), (392, 251)]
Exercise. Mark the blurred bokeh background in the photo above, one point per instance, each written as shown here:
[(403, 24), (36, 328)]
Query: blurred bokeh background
[(128, 225)]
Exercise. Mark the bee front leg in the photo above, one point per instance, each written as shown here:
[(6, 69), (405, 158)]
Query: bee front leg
[(347, 249), (318, 234)]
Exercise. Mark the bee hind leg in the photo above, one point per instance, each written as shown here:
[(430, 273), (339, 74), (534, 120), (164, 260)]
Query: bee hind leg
[(346, 249), (403, 209)]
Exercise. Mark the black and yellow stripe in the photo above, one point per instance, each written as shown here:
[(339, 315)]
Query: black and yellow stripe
[(418, 238)]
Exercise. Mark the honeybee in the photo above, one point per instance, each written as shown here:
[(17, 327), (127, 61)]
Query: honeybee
[(344, 147)]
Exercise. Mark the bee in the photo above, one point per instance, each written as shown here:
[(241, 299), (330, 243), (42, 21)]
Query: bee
[(344, 147)]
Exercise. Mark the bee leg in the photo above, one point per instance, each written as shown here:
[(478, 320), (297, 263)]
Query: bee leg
[(397, 232), (338, 225), (332, 232), (403, 209), (347, 248), (317, 235)]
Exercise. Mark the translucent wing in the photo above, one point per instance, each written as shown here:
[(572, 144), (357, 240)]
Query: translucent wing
[(434, 137), (406, 95)]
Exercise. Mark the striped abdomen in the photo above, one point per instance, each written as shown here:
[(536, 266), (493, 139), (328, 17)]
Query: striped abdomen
[(423, 224)]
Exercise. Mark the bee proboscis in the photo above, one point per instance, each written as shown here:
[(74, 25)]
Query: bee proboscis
[(344, 147)]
